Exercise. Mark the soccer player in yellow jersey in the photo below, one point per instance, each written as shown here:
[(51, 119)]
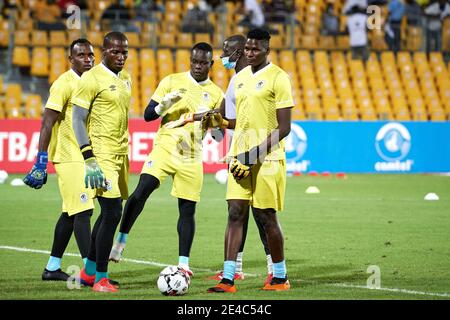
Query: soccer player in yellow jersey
[(100, 122), (257, 174), (233, 58), (57, 143), (179, 99)]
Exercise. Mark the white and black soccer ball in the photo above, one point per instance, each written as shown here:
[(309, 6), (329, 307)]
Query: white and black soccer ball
[(173, 281), (222, 176)]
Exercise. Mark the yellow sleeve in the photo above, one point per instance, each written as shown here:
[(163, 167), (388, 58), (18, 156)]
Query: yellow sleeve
[(164, 87), (283, 91), (86, 91), (219, 100), (59, 94)]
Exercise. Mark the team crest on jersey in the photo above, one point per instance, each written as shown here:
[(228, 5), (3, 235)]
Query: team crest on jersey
[(260, 84), (206, 96), (149, 164), (113, 87), (240, 85), (83, 197)]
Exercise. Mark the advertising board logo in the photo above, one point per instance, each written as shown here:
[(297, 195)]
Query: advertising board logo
[(393, 142), (296, 143)]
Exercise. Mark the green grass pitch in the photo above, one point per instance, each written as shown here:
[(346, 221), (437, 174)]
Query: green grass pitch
[(331, 239)]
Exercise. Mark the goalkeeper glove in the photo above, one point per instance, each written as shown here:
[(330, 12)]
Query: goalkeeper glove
[(168, 101), (239, 170), (94, 176), (38, 174), (185, 118), (213, 120), (241, 165)]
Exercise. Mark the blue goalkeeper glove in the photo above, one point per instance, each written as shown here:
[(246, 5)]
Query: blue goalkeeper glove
[(38, 174)]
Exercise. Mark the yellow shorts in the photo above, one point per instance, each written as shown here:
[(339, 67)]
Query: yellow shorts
[(264, 187), (187, 173), (115, 169), (75, 197)]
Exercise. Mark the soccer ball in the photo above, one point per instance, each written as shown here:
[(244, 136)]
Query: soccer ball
[(3, 176), (173, 281), (222, 176)]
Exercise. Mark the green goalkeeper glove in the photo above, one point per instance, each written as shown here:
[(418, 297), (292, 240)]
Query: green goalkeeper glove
[(94, 176)]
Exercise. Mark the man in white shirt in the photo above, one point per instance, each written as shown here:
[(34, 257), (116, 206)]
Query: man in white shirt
[(254, 14), (357, 29), (436, 13)]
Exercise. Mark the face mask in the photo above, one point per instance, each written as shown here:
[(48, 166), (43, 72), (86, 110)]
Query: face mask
[(227, 63)]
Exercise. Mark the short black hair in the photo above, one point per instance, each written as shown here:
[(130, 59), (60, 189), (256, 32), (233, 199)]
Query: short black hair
[(78, 41), (113, 35), (258, 34), (237, 38), (202, 46)]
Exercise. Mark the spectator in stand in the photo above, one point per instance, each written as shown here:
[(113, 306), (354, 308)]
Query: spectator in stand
[(357, 29), (396, 10), (117, 17), (413, 13), (278, 11), (196, 21), (350, 4), (146, 10), (330, 21), (254, 15), (48, 15), (435, 14)]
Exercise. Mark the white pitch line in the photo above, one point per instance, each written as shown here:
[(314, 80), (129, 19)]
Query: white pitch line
[(151, 263), (159, 264)]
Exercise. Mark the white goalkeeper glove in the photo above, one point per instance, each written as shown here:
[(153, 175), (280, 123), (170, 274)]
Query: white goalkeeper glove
[(168, 101)]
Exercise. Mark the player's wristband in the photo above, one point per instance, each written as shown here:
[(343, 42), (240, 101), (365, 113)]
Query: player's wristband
[(225, 123), (42, 158), (87, 152)]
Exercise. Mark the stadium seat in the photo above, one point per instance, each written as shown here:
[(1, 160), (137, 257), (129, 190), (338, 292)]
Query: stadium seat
[(21, 57), (327, 42), (59, 63), (308, 42), (33, 106), (165, 63), (4, 38), (58, 38), (202, 37), (97, 55), (95, 37), (39, 38), (21, 38), (132, 64), (2, 111), (184, 40), (133, 39), (13, 101), (182, 60), (74, 34), (39, 62), (167, 40)]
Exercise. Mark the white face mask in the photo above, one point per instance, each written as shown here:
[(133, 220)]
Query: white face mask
[(227, 63)]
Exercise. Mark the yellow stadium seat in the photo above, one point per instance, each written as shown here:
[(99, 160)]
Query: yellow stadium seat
[(418, 110), (95, 37), (414, 38), (185, 40), (13, 101), (21, 57), (39, 38), (437, 115), (277, 42), (74, 34), (21, 38), (4, 38), (182, 60), (2, 111), (202, 37), (402, 114), (343, 42), (33, 106), (327, 42), (39, 62), (58, 38), (132, 64), (133, 39), (308, 42), (165, 63), (59, 63)]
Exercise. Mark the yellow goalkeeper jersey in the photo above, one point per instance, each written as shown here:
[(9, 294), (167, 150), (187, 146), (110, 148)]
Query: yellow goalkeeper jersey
[(63, 145), (107, 96), (197, 97), (258, 96)]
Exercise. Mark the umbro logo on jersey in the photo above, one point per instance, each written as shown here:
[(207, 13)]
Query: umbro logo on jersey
[(240, 85), (260, 84), (113, 87)]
